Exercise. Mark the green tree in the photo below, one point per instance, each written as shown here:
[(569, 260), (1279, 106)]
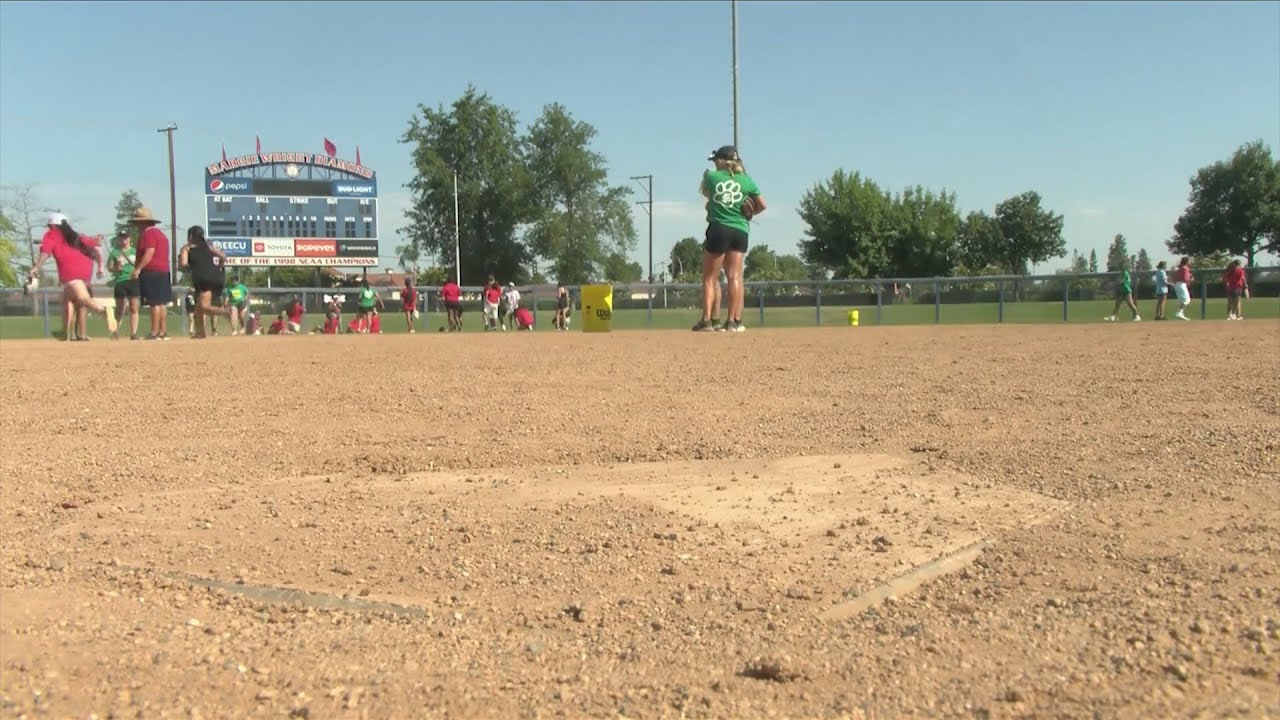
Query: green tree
[(1117, 254), (27, 213), (1233, 208), (619, 268), (925, 239), (761, 264), (10, 258), (1143, 262), (686, 260), (477, 139), (433, 276), (1079, 264), (580, 222), (979, 244), (1030, 234), (126, 207), (407, 255), (1093, 261), (850, 222)]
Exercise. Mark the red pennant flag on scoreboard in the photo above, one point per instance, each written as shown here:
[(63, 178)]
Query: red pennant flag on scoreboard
[(224, 152), (330, 149), (258, 139), (357, 154)]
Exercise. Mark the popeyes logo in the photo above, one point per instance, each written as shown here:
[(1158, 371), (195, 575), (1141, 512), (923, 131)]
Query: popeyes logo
[(315, 248)]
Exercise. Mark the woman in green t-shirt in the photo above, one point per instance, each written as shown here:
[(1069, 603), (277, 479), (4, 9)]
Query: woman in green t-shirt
[(370, 303), (733, 198), (237, 301)]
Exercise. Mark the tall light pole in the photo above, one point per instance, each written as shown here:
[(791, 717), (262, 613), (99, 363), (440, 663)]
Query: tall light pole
[(735, 76), (173, 208), (648, 209), (457, 252)]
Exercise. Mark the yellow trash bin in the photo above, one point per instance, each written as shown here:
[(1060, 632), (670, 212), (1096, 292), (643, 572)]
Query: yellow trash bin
[(853, 318), (597, 308)]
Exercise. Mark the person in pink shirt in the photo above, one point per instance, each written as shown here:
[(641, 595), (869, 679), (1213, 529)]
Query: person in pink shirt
[(75, 256), (1182, 279)]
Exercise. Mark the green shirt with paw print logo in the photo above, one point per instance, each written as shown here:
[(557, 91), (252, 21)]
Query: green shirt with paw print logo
[(725, 193)]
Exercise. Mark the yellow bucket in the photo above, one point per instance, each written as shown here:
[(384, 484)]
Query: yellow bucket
[(853, 318), (597, 308)]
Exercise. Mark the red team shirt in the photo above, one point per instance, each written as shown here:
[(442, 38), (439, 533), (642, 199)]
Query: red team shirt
[(153, 237), (492, 295), (72, 264), (295, 313), (1234, 278), (1182, 274), (524, 317), (451, 292)]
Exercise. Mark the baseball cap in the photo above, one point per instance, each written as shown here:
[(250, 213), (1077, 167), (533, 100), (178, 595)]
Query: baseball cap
[(57, 218), (511, 284), (728, 152)]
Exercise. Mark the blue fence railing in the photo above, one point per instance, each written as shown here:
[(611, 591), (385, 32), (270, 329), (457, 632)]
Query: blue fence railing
[(877, 296)]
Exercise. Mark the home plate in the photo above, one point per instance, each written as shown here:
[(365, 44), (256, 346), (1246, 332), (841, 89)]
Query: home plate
[(832, 535)]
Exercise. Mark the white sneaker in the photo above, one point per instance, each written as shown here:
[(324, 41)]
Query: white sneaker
[(1137, 318), (1180, 316), (1109, 318)]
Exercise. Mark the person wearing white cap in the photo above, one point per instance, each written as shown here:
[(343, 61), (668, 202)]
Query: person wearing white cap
[(511, 298), (75, 256)]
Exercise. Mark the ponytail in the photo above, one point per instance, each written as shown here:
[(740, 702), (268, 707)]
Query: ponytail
[(72, 238)]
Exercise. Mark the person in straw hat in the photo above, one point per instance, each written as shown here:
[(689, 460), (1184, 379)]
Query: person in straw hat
[(151, 269)]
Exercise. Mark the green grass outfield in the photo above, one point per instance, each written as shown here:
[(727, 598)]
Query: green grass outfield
[(1091, 311)]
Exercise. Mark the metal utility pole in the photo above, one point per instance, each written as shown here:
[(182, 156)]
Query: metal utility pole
[(457, 253), (648, 209), (173, 208), (735, 76)]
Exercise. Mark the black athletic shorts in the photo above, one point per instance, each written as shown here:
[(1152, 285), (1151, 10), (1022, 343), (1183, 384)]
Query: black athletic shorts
[(155, 287), (721, 239), (453, 306), (209, 287), (125, 290)]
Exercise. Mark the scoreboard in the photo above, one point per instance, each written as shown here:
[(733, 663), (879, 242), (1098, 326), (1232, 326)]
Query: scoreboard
[(292, 209)]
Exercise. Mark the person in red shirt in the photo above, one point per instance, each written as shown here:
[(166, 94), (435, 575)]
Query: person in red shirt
[(492, 296), (1182, 279), (75, 256), (409, 301), (280, 326), (524, 319), (1237, 287), (295, 311), (151, 270), (451, 294)]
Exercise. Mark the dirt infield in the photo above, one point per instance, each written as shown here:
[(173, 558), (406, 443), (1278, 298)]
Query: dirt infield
[(1014, 521)]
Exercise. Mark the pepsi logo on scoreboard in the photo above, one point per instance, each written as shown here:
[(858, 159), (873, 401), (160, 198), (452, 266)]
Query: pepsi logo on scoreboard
[(234, 186)]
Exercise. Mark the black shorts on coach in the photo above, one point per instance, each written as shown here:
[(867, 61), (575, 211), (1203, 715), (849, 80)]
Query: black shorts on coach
[(155, 287), (721, 239)]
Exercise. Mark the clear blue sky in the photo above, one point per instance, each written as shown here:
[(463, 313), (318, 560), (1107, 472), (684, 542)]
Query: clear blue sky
[(1106, 109)]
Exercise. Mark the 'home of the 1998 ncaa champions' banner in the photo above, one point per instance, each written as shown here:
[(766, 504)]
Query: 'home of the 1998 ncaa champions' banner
[(292, 209)]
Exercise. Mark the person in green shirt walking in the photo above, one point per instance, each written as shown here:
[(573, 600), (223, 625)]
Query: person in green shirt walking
[(237, 301), (370, 303), (1124, 294), (733, 198), (124, 285)]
